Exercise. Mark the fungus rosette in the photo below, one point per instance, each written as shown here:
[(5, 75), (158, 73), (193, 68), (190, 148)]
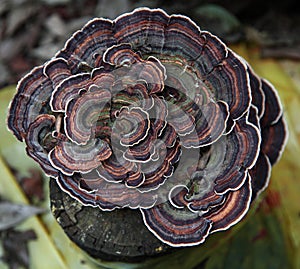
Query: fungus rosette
[(149, 112)]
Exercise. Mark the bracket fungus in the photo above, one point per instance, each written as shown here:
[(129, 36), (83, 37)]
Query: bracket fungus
[(150, 113)]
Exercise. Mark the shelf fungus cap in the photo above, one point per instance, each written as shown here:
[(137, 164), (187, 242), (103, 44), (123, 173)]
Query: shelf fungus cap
[(151, 113)]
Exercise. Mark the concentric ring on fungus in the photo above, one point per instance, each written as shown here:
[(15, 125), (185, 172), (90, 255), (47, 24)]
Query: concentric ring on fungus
[(151, 113)]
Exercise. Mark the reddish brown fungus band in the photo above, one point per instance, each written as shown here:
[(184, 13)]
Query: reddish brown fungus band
[(151, 113)]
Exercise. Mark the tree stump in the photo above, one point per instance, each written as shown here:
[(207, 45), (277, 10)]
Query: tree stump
[(119, 235)]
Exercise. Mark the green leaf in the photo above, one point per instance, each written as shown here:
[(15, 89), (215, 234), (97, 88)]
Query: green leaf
[(259, 244)]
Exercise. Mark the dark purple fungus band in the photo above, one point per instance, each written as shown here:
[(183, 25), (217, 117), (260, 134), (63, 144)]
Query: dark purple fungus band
[(151, 113)]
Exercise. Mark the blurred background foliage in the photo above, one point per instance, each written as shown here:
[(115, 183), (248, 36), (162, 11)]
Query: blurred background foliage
[(265, 33)]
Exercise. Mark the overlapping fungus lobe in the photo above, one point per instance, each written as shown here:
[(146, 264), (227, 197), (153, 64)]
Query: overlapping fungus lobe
[(31, 99), (152, 113), (132, 125), (40, 131), (82, 114)]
